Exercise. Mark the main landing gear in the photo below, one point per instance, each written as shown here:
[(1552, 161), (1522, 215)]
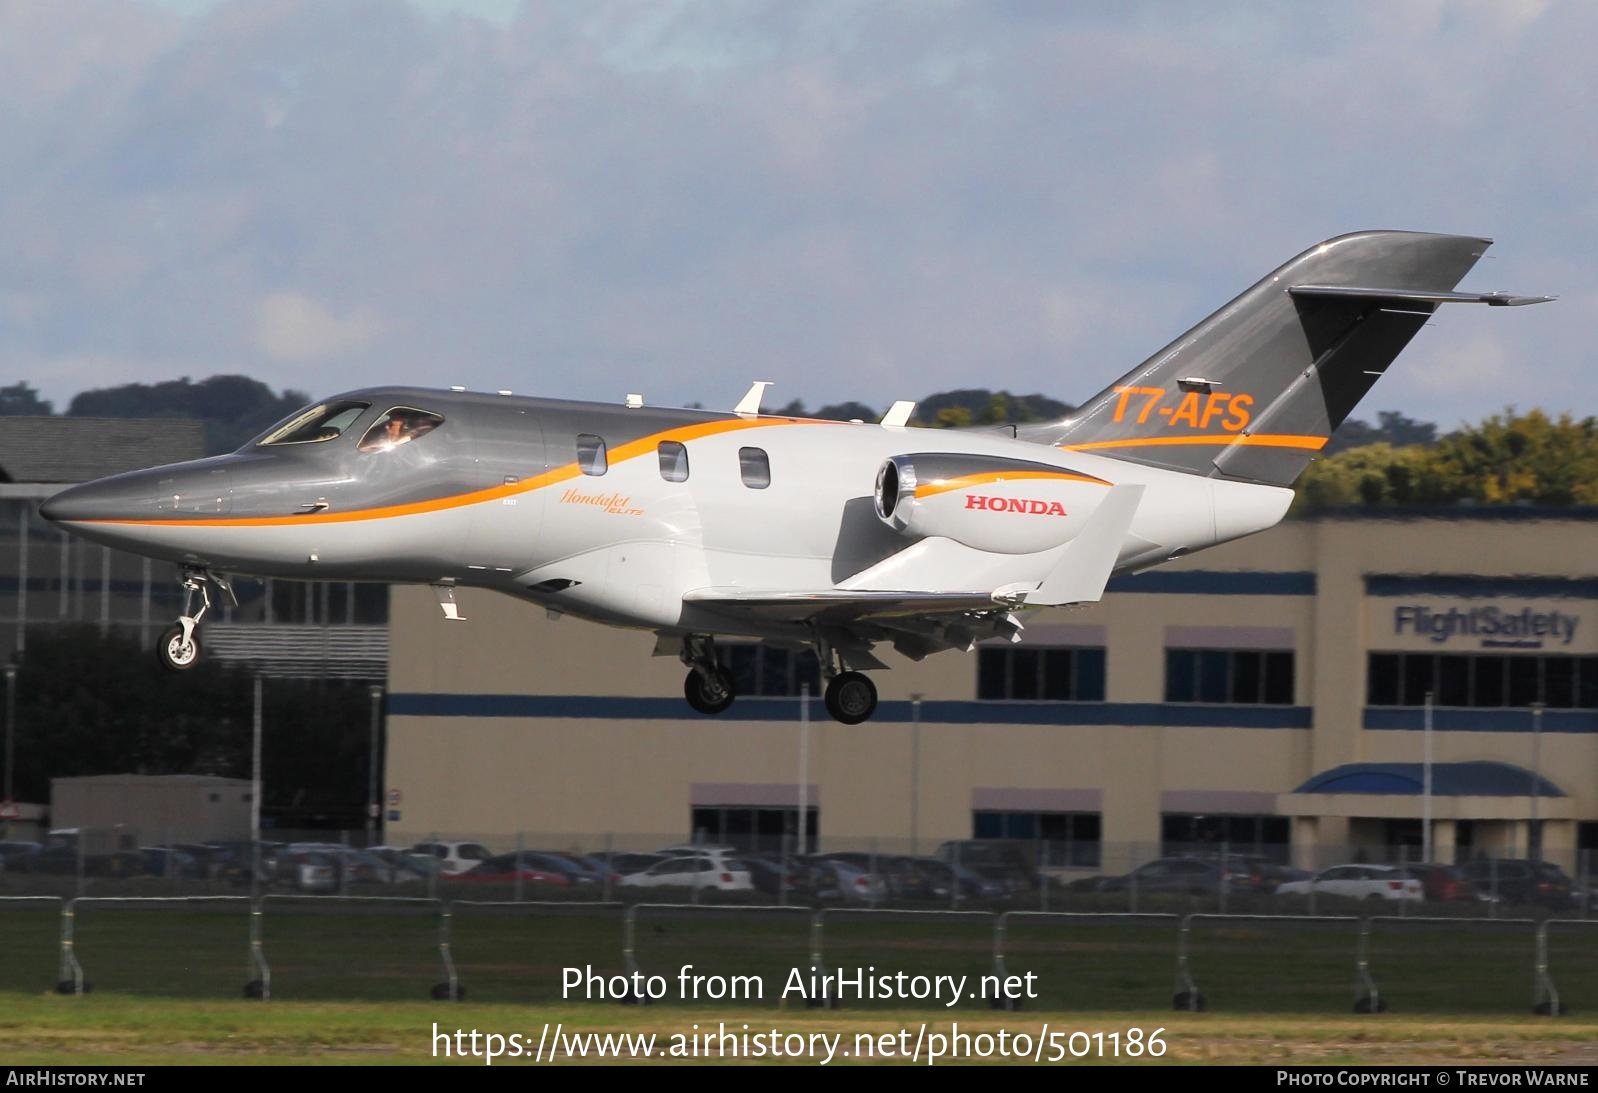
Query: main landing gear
[(179, 648), (850, 697)]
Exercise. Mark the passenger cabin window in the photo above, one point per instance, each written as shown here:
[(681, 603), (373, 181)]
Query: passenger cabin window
[(673, 461), (400, 425), (591, 457), (755, 466), (324, 421)]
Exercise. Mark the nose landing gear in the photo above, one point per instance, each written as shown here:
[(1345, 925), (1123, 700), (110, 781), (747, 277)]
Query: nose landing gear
[(179, 648)]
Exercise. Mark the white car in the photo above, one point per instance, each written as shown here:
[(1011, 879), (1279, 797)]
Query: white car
[(724, 874), (454, 858), (1358, 882)]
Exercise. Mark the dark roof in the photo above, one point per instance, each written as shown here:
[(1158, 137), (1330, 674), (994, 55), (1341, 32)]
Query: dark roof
[(77, 449), (1481, 779)]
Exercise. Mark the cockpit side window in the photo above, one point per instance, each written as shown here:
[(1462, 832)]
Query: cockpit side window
[(399, 426), (324, 421)]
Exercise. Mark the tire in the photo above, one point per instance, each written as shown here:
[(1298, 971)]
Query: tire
[(851, 698), (174, 654), (709, 700)]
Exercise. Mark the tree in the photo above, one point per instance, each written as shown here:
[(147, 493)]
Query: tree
[(234, 408), (22, 400), (1508, 458), (1392, 428)]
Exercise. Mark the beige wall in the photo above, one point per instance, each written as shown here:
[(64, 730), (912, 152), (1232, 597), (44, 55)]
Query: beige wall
[(556, 776)]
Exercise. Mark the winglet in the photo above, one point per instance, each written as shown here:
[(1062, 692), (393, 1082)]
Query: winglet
[(1085, 567), (750, 403), (898, 415)]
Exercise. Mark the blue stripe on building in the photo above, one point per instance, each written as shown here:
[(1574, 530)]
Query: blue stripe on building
[(604, 707), (1460, 719), (1574, 588), (1217, 582)]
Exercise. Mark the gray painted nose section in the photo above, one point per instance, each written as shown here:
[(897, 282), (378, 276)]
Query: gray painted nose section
[(143, 495)]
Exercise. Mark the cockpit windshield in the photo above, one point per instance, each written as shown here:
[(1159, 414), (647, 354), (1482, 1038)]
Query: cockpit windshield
[(324, 421), (399, 426)]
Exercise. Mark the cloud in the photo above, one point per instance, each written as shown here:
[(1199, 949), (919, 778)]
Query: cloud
[(294, 328)]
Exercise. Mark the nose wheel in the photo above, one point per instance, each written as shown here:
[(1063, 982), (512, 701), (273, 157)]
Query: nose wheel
[(179, 648), (851, 697)]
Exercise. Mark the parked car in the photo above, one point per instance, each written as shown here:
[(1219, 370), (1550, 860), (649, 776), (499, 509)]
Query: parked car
[(406, 866), (997, 860), (1520, 880), (309, 871), (899, 875), (1443, 883), (505, 869), (624, 862), (1190, 876), (17, 854), (941, 879), (834, 881), (171, 863), (578, 875), (1378, 882), (774, 877), (724, 874), (454, 857)]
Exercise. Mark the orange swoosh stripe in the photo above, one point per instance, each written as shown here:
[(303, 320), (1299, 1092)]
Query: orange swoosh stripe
[(1264, 440), (966, 481), (622, 452)]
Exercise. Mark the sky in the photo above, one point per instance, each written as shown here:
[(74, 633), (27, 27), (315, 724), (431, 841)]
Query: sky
[(855, 200)]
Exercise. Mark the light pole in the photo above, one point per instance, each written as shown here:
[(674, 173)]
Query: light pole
[(1534, 836), (804, 768), (1426, 786), (372, 806), (915, 773), (11, 723)]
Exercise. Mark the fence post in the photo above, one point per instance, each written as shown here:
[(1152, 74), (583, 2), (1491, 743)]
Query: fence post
[(449, 990), (521, 845), (1044, 877), (1221, 875), (610, 869), (71, 971), (263, 973)]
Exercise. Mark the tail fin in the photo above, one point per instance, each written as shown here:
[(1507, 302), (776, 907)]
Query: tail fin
[(1255, 390)]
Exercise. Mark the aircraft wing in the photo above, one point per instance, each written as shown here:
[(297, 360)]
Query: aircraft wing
[(841, 605)]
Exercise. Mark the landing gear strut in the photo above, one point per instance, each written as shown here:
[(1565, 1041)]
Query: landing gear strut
[(708, 688), (179, 648)]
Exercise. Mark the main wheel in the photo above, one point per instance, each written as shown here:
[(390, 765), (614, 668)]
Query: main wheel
[(709, 696), (851, 698), (174, 653)]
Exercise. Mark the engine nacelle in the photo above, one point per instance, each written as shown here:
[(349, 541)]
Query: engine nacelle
[(1008, 506)]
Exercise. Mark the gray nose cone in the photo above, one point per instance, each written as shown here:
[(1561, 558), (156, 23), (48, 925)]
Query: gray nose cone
[(74, 503)]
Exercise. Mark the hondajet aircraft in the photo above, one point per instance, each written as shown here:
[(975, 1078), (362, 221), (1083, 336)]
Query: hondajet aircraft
[(837, 536)]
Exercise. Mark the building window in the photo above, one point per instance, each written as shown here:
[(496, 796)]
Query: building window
[(755, 467), (1060, 838), (591, 457), (754, 829), (770, 671), (1482, 680), (673, 461), (1196, 833), (1230, 676), (1032, 673)]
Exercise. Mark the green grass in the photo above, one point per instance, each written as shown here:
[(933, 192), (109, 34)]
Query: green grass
[(131, 1031)]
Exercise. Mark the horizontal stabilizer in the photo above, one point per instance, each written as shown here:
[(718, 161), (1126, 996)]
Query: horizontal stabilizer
[(1084, 569), (1419, 296)]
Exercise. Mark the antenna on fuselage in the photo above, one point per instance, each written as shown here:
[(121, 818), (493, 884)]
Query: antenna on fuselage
[(750, 403)]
